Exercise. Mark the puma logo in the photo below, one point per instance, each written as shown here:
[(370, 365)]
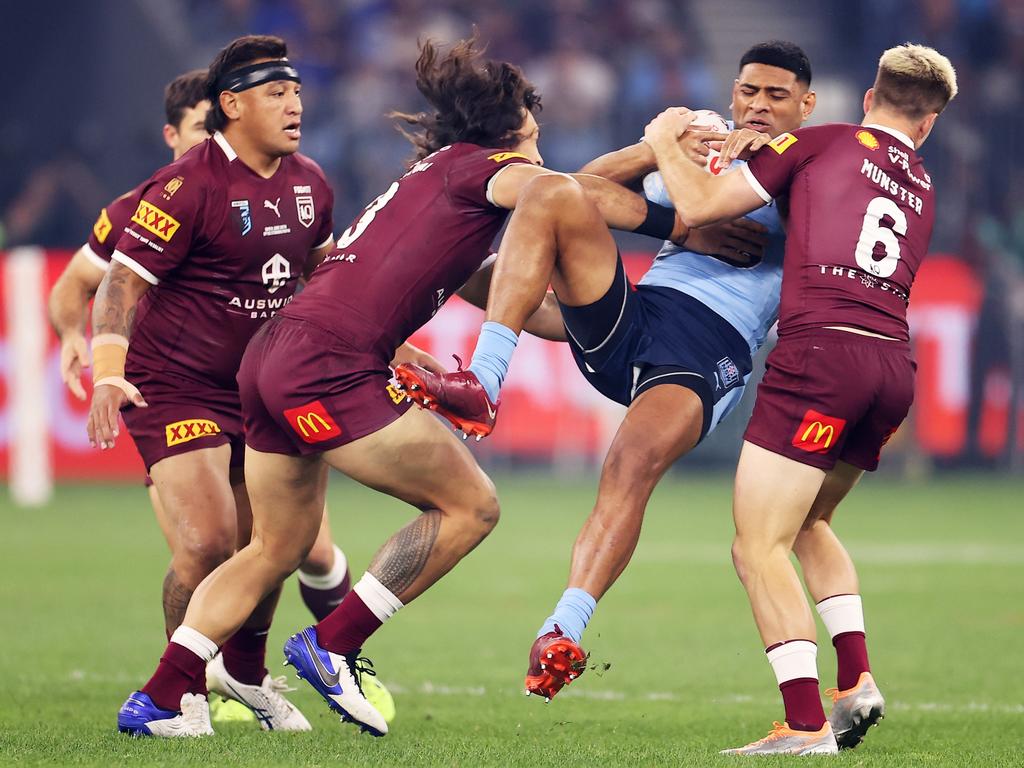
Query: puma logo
[(273, 206)]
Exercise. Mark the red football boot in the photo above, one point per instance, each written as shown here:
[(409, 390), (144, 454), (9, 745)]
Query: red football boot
[(459, 396), (555, 661)]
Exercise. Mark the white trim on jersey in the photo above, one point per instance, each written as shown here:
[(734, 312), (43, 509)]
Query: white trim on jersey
[(894, 133), (490, 183), (223, 144), (754, 183), (325, 243), (135, 267), (94, 258)]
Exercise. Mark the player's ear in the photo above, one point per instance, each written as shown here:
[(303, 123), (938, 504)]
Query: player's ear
[(807, 104), (171, 136), (925, 128), (229, 104), (869, 100)]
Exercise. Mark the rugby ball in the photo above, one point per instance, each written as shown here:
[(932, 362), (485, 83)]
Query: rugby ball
[(704, 120)]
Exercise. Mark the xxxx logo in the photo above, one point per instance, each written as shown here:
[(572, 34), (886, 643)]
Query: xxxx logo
[(817, 433), (182, 431), (397, 396), (156, 221), (312, 422), (102, 226)]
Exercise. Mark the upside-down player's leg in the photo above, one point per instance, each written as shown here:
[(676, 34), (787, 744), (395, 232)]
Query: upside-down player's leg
[(831, 578), (661, 425), (555, 235)]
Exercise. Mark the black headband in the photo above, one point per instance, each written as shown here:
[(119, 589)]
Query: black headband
[(242, 79)]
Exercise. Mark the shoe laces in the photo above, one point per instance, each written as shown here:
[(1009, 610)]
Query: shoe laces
[(195, 711), (359, 666), (279, 684), (779, 730)]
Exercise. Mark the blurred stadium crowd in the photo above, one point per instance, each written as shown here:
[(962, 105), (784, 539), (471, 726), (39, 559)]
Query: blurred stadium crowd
[(604, 67)]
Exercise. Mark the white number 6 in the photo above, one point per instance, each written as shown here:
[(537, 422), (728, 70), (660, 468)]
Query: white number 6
[(873, 232)]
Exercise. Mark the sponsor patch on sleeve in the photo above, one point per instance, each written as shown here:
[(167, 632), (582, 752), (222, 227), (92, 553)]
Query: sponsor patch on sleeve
[(155, 221), (102, 226), (501, 157), (782, 142)]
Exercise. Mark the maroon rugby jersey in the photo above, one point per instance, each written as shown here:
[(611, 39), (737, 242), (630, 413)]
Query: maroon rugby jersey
[(861, 209), (408, 251), (224, 249), (110, 225)]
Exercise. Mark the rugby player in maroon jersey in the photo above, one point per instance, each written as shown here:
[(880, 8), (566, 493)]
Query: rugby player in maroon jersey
[(315, 381), (861, 210), (323, 576), (215, 246)]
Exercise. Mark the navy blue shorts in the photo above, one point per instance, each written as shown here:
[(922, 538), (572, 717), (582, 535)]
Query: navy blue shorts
[(634, 338)]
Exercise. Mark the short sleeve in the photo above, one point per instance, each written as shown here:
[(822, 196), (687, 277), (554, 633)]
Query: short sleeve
[(470, 176), (158, 234), (772, 169)]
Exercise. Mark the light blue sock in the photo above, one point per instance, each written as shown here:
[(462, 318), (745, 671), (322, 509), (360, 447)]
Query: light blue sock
[(493, 353), (572, 614)]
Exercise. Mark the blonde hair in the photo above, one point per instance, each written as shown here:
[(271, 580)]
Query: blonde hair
[(914, 80)]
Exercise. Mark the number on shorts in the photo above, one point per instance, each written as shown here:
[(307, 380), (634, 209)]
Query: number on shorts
[(351, 234), (873, 232)]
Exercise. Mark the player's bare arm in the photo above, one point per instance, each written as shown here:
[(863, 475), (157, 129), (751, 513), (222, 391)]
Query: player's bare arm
[(621, 209), (113, 315), (626, 166), (69, 302), (545, 323), (699, 198)]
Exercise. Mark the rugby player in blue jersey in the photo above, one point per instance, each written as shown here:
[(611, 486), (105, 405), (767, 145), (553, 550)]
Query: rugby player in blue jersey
[(676, 348)]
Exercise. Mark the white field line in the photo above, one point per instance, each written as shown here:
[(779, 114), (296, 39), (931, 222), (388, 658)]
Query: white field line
[(430, 688)]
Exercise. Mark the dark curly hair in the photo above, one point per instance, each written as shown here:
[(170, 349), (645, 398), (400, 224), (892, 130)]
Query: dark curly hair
[(239, 52), (477, 100), (184, 92)]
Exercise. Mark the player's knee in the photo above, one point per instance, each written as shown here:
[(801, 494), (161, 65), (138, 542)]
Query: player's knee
[(320, 559), (633, 467), (203, 551), (482, 510), (552, 194)]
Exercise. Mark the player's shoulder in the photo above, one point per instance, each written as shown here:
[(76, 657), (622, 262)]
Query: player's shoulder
[(303, 164)]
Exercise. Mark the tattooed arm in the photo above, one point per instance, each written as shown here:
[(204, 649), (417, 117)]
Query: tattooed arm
[(112, 317)]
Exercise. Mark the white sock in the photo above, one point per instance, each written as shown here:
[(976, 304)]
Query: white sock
[(841, 614), (195, 641), (377, 597), (332, 578), (793, 660)]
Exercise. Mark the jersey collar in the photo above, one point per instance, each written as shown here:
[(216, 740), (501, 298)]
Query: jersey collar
[(223, 144), (894, 133)]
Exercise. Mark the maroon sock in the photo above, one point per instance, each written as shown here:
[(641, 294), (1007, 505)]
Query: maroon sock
[(179, 667), (245, 655), (321, 602), (803, 704), (852, 655), (347, 627)]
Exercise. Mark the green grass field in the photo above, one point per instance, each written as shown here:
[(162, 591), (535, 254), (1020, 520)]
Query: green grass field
[(942, 570)]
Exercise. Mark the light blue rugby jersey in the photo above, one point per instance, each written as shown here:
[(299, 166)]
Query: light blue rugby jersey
[(747, 298)]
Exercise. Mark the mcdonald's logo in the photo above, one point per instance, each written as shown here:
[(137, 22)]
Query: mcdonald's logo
[(817, 432), (312, 422)]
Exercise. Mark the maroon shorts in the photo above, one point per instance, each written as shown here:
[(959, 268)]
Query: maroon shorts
[(831, 396), (185, 416), (305, 391)]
